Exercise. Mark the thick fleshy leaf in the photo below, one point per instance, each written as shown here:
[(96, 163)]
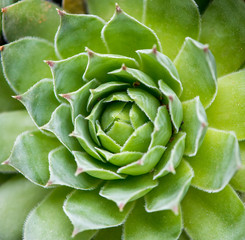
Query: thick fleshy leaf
[(238, 181), (30, 156), (171, 190), (162, 128), (95, 168), (48, 220), (173, 21), (17, 197), (9, 131), (215, 165), (145, 164), (77, 25), (82, 134), (163, 68), (172, 156), (99, 65), (123, 191), (155, 226), (124, 35), (106, 8), (23, 62), (87, 210), (137, 117), (35, 18), (62, 167), (227, 111), (40, 101), (174, 104), (197, 70), (218, 216), (68, 73), (194, 124), (145, 101), (137, 78), (219, 30), (140, 139), (61, 126)]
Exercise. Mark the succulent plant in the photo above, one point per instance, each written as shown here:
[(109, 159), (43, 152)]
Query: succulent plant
[(127, 132)]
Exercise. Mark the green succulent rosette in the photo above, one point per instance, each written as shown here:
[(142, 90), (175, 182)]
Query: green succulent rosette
[(130, 135)]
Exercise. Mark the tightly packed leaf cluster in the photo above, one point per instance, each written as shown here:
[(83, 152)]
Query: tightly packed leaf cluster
[(127, 132)]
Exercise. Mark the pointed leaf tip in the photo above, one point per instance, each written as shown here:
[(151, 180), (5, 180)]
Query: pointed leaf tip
[(3, 10), (66, 96), (60, 12), (78, 171), (89, 51), (1, 48), (17, 97), (175, 210), (118, 9), (154, 49), (124, 67), (50, 63), (7, 162), (121, 206), (74, 233), (206, 48), (49, 183)]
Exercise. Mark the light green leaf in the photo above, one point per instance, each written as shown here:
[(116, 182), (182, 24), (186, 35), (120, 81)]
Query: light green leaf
[(61, 126), (30, 156), (172, 21), (87, 210), (145, 101), (95, 168), (145, 164), (162, 128), (163, 68), (123, 191), (215, 164), (140, 139), (124, 35), (155, 226), (194, 124), (40, 101), (174, 104), (62, 167), (219, 216), (238, 181), (23, 62), (197, 70), (137, 117), (77, 25), (35, 18), (118, 96), (171, 190), (17, 197), (227, 111), (219, 30), (172, 156), (68, 74), (99, 65), (48, 220), (11, 125)]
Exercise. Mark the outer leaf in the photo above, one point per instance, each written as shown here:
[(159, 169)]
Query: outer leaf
[(201, 210), (62, 169), (126, 190), (35, 18), (214, 165), (124, 35), (238, 181), (17, 197), (23, 62), (230, 99), (77, 25), (30, 156), (194, 124), (163, 68), (197, 69), (48, 220), (88, 210), (40, 101), (156, 226), (9, 131), (68, 74), (173, 21), (219, 30), (171, 190)]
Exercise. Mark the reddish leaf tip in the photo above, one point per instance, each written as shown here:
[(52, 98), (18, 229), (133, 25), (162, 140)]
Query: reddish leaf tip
[(18, 97), (136, 84), (171, 98), (90, 52), (171, 169), (7, 162), (175, 209), (124, 67), (74, 233), (140, 162), (121, 206), (205, 48), (204, 124), (49, 183), (4, 10), (50, 63), (66, 96), (154, 49), (61, 13), (78, 171), (1, 48), (118, 9)]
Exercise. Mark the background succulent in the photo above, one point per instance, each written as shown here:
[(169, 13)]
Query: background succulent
[(116, 127)]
